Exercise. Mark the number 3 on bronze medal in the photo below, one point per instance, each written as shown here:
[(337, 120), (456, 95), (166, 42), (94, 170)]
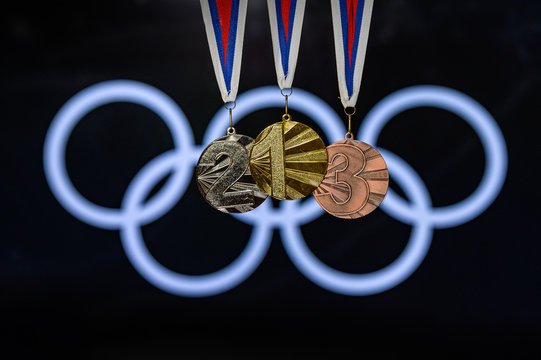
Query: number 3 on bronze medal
[(356, 181)]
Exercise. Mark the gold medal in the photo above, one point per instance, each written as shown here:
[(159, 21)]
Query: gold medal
[(223, 175), (288, 160)]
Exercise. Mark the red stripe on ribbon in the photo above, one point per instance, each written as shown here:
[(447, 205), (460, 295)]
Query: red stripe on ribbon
[(352, 14), (224, 13), (286, 6)]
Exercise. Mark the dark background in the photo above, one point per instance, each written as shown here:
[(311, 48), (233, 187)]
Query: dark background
[(67, 285)]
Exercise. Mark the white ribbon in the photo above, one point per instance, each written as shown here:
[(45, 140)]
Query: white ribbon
[(286, 18), (351, 23), (224, 24)]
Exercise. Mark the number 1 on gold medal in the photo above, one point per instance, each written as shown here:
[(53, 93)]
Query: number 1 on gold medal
[(268, 155)]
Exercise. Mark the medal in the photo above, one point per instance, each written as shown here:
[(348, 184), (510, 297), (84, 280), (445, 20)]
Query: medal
[(222, 172), (288, 159), (357, 178), (223, 175)]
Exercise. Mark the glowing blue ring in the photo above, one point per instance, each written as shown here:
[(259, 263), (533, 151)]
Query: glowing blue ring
[(267, 97), (479, 119), (80, 105), (391, 275), (158, 275)]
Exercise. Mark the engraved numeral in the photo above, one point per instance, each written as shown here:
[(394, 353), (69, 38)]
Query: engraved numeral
[(345, 185), (272, 146), (237, 164)]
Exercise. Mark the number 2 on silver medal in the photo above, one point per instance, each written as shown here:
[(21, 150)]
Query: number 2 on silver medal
[(223, 175)]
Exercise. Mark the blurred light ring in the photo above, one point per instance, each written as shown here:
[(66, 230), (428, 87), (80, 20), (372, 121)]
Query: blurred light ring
[(477, 117), (81, 104), (160, 276), (392, 274)]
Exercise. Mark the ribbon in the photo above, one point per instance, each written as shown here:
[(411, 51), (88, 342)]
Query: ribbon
[(286, 18), (224, 24), (351, 23)]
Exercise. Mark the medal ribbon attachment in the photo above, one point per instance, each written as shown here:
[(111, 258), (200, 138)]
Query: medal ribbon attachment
[(357, 178), (351, 24), (224, 24), (286, 17), (288, 159), (222, 172)]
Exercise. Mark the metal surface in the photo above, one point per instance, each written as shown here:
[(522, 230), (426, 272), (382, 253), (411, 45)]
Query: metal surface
[(223, 175), (356, 182), (288, 160)]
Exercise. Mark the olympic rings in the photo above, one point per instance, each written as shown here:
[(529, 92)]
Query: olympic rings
[(291, 215)]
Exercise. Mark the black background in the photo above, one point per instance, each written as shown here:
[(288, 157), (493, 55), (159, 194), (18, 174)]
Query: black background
[(67, 285)]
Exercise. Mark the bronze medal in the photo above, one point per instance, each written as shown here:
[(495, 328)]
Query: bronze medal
[(356, 181), (223, 175), (288, 160)]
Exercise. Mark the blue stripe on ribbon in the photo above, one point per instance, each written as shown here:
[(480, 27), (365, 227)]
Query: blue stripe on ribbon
[(350, 70), (227, 68), (285, 45)]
